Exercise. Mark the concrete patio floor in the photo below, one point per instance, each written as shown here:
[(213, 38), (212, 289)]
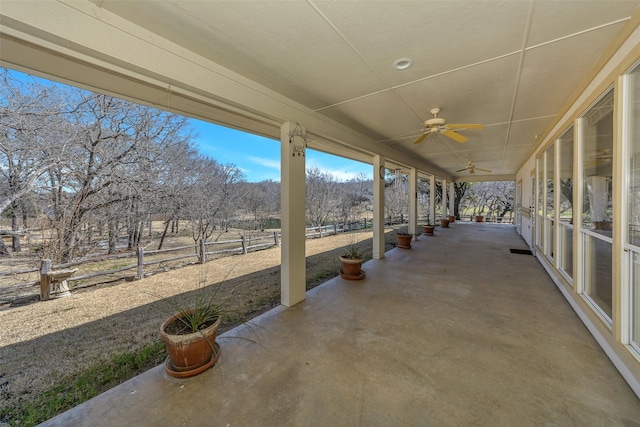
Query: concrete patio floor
[(455, 331)]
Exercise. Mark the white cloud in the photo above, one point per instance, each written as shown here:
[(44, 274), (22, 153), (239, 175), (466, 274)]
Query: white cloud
[(267, 163), (343, 174)]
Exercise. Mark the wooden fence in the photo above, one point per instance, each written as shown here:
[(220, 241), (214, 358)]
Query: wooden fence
[(143, 260)]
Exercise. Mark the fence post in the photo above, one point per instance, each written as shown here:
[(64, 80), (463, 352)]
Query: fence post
[(203, 252), (140, 255), (275, 238), (244, 245), (320, 230), (365, 223), (45, 280)]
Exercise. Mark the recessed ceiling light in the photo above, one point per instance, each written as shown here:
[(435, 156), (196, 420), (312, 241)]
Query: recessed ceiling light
[(403, 63)]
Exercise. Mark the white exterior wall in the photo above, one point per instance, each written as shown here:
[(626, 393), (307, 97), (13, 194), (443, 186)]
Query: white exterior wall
[(611, 337)]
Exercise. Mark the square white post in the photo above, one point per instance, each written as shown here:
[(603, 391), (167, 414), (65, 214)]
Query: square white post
[(378, 207), (452, 198), (444, 199), (413, 202), (432, 199), (292, 200)]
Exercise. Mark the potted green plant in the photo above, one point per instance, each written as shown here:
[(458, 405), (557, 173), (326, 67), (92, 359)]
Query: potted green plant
[(403, 239), (480, 216), (351, 262), (190, 331)]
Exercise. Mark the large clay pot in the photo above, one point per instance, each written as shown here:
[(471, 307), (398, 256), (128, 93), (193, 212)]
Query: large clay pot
[(479, 218), (452, 218), (351, 268), (444, 223), (191, 351), (404, 240), (429, 229)]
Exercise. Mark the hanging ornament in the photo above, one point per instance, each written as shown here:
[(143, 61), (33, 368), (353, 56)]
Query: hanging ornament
[(298, 137)]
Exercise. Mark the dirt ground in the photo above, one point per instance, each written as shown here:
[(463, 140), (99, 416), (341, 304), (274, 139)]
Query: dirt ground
[(42, 342)]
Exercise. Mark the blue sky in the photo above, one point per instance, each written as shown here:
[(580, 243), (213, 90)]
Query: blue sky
[(256, 156), (259, 157)]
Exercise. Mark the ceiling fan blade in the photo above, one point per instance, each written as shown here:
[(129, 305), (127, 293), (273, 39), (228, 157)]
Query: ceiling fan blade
[(483, 170), (465, 126), (462, 170), (455, 136), (421, 138)]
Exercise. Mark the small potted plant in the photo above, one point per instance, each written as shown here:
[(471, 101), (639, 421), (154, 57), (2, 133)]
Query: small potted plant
[(444, 223), (452, 218), (190, 332), (403, 239), (352, 261), (480, 216)]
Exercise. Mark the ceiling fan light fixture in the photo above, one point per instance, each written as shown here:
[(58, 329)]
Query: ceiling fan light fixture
[(402, 63)]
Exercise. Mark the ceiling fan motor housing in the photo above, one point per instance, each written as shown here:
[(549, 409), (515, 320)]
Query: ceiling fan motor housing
[(436, 121)]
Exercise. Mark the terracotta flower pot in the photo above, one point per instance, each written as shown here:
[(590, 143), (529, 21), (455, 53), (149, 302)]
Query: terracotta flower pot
[(479, 218), (190, 351), (429, 229), (404, 240), (351, 266), (452, 218), (444, 223)]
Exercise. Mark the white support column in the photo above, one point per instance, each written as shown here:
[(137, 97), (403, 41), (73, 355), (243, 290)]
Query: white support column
[(378, 207), (292, 200), (444, 199), (432, 199), (452, 197), (413, 202)]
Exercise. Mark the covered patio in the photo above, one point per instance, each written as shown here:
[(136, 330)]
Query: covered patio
[(455, 331)]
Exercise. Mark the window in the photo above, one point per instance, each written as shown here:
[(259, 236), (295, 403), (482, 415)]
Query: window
[(549, 236), (632, 144), (596, 179), (565, 208), (539, 200)]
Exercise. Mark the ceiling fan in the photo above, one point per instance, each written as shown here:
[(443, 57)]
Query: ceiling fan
[(439, 125), (471, 167), (601, 157), (604, 154)]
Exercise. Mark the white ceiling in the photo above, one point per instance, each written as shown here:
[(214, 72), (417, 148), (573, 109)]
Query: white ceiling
[(510, 65)]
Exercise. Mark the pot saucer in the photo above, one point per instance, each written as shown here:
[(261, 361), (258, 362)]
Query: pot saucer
[(169, 369), (359, 276)]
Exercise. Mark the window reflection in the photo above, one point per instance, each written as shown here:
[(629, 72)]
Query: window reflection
[(597, 165)]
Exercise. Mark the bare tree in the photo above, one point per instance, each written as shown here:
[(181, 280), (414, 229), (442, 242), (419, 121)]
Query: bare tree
[(351, 196), (460, 188), (396, 196), (321, 198), (33, 137), (259, 201), (495, 198), (213, 195)]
